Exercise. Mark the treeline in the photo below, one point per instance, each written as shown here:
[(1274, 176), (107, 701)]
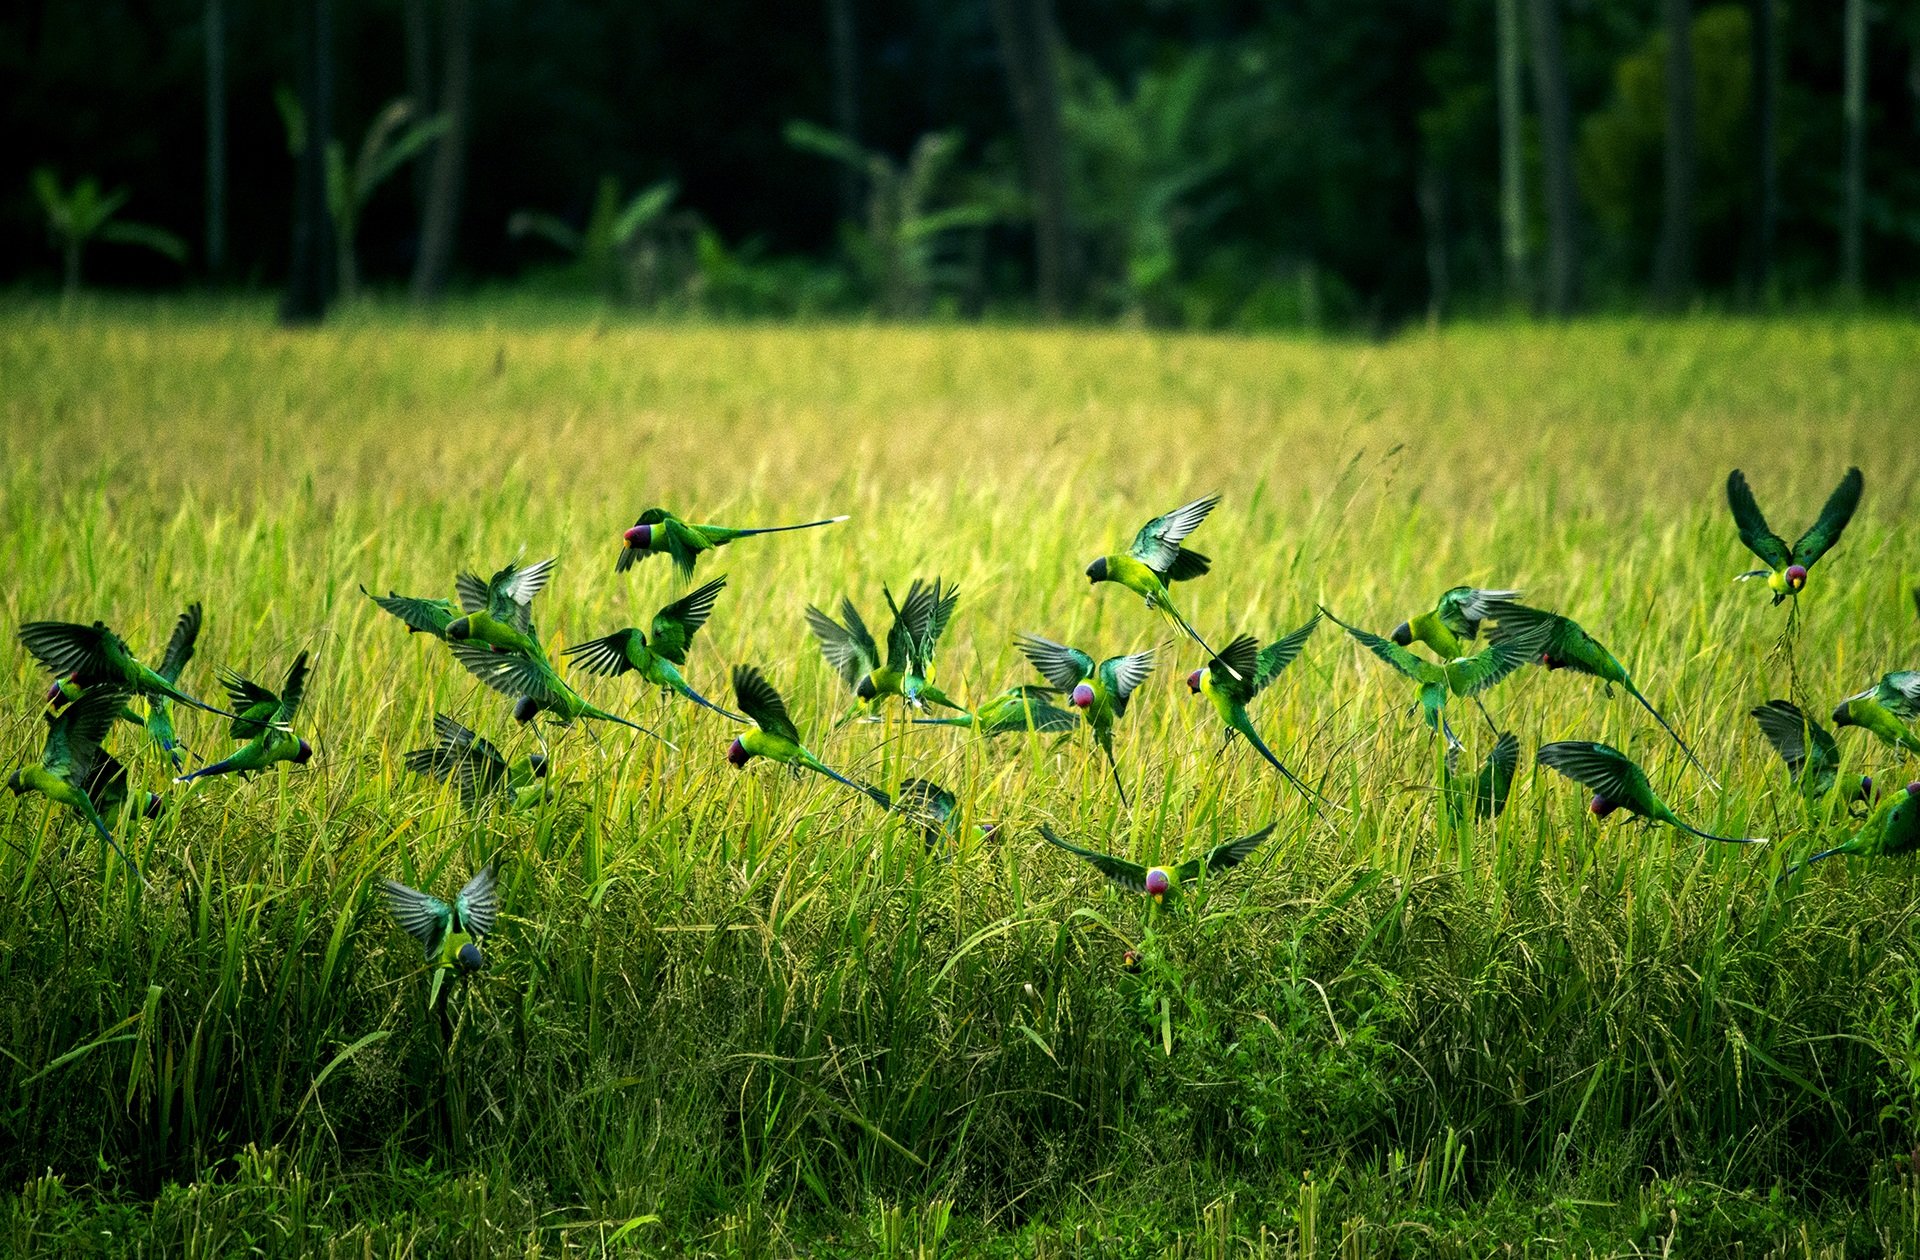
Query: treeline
[(1202, 164)]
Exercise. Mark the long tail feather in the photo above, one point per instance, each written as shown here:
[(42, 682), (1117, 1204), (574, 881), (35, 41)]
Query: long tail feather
[(1260, 746), (1648, 706), (604, 716), (218, 767), (966, 720), (701, 700), (1708, 835), (100, 826), (1483, 713), (1818, 857), (1193, 634), (1117, 785), (782, 529), (873, 794)]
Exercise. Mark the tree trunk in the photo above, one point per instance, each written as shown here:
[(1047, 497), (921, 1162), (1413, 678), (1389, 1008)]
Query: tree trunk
[(843, 49), (215, 33), (440, 217), (1513, 196), (1030, 50), (1432, 195), (1673, 259), (1766, 145), (417, 37), (308, 281), (1556, 157), (1853, 179)]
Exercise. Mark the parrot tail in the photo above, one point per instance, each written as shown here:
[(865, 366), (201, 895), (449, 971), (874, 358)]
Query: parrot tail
[(873, 794), (99, 825), (701, 700), (1707, 835), (782, 529), (1174, 613), (614, 717), (1647, 705), (1117, 785)]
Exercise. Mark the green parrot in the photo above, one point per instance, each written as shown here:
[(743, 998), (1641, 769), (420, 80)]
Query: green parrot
[(1156, 559), (1812, 757), (1023, 708), (911, 642), (1786, 571), (1100, 693), (1617, 783), (1454, 621), (1565, 645), (935, 811), (655, 658), (106, 787), (265, 722), (1466, 676), (1892, 830), (499, 611), (659, 530), (1253, 668), (71, 755), (1484, 795), (532, 681), (479, 769), (1160, 882), (449, 934), (774, 735), (89, 656), (159, 719), (421, 616), (1885, 709)]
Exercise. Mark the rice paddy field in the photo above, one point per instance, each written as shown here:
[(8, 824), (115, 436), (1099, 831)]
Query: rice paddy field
[(738, 1013)]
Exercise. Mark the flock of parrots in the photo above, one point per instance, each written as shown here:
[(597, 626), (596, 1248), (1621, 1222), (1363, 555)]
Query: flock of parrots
[(490, 631)]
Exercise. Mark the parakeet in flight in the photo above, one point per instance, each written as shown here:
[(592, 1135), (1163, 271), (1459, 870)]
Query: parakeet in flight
[(911, 643), (659, 530), (1484, 795), (1565, 645), (1161, 882), (1021, 708), (71, 756), (1786, 571), (1617, 783), (1453, 623), (655, 658), (1466, 676), (419, 615), (499, 611), (1812, 757), (1100, 693), (265, 722), (1892, 830), (935, 811), (478, 768), (1253, 668), (450, 935), (774, 735), (92, 656), (535, 686), (1886, 708), (1156, 559)]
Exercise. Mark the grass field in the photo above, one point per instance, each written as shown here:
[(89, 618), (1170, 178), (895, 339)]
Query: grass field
[(735, 1013)]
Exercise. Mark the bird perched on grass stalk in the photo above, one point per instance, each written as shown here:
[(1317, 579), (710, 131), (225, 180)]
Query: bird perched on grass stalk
[(1161, 882), (659, 530), (1241, 672), (1885, 709), (774, 735), (655, 658), (1565, 645), (1099, 692), (1617, 783), (71, 756), (1786, 571), (1892, 830), (482, 774), (1157, 559), (92, 656), (1808, 748), (1452, 624), (265, 723)]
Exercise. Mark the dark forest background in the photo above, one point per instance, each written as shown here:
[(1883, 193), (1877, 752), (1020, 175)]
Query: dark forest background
[(1201, 163)]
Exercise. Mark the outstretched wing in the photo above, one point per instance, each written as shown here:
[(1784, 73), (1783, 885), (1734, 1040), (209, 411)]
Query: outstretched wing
[(429, 616), (66, 647), (675, 625), (1490, 790), (477, 904), (469, 758), (106, 781), (422, 916), (292, 691), (928, 805), (1417, 668), (1791, 731), (1059, 664), (1463, 608), (1604, 769), (253, 705), (849, 649), (1157, 545), (762, 704), (1221, 856), (1282, 652), (509, 673), (606, 655), (75, 733), (1899, 693), (510, 593), (1754, 530), (1129, 875), (1484, 668), (1122, 674), (1825, 532), (180, 647), (1233, 671), (923, 616)]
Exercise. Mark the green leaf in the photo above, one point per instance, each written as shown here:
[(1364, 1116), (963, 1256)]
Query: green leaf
[(647, 206)]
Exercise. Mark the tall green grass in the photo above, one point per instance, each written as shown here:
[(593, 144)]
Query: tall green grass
[(745, 1014)]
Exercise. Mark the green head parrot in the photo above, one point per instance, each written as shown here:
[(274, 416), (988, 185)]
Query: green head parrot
[(774, 735), (1466, 676), (1808, 748), (72, 755), (1891, 830), (264, 724), (450, 935), (499, 611), (1453, 623), (530, 680), (1157, 559), (483, 775), (1886, 709), (656, 658)]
